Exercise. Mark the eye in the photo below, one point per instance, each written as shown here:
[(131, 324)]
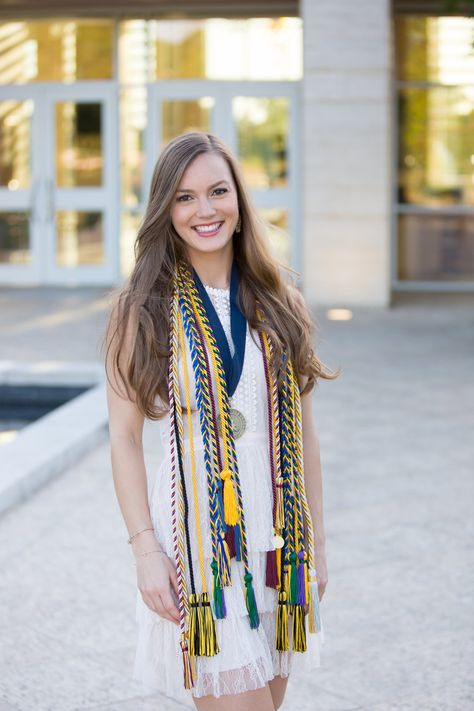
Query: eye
[(221, 190), (181, 198)]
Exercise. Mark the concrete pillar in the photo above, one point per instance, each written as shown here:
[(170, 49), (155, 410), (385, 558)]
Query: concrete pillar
[(346, 152)]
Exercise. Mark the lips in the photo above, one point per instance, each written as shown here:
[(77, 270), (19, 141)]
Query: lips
[(211, 229)]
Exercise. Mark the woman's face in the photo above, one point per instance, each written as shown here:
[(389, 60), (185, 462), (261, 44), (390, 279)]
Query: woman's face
[(205, 209)]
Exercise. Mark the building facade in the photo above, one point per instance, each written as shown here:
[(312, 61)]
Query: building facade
[(354, 123)]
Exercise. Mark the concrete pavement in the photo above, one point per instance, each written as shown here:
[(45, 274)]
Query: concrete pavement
[(397, 454)]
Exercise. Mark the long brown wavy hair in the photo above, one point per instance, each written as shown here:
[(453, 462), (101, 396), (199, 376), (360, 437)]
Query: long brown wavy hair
[(137, 332)]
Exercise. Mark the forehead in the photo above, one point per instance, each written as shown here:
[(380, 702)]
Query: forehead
[(205, 169)]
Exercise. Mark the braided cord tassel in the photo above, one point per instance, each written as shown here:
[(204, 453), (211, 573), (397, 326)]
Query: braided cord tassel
[(204, 637), (178, 530), (219, 547), (298, 567), (229, 445), (273, 571), (314, 614)]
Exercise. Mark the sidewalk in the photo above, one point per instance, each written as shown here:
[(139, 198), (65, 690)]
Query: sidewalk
[(396, 441)]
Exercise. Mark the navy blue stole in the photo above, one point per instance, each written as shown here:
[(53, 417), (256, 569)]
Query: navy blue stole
[(238, 325)]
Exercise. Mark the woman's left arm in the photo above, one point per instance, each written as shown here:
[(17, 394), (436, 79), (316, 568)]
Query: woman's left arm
[(314, 489)]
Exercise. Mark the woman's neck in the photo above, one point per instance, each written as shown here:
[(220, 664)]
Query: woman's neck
[(213, 269)]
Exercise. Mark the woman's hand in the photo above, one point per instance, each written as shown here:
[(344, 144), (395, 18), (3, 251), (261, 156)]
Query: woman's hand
[(321, 568), (157, 581)]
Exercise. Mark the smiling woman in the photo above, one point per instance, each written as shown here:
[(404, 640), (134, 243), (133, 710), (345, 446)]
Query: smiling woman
[(205, 213), (209, 337)]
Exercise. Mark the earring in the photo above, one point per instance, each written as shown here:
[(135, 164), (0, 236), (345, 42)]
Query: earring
[(238, 225)]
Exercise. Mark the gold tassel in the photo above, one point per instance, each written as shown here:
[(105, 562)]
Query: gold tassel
[(278, 566), (208, 635), (194, 631), (280, 511), (231, 512), (281, 641), (286, 581), (188, 664), (299, 629)]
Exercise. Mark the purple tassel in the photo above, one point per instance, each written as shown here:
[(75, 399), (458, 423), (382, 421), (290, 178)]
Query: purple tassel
[(301, 579), (271, 579), (230, 540)]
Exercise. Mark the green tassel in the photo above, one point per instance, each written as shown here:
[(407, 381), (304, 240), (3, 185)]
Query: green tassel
[(251, 602), (217, 593), (293, 580)]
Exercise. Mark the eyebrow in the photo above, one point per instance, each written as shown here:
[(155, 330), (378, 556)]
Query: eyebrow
[(184, 190)]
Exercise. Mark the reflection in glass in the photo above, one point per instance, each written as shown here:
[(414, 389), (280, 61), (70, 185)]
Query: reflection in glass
[(15, 137), (14, 238), (262, 130), (436, 147), (182, 116), (56, 50), (78, 144), (79, 238), (128, 234), (133, 117), (436, 247), (434, 49), (278, 234), (133, 51), (261, 48)]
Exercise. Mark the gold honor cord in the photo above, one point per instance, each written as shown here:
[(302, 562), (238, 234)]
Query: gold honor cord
[(313, 594), (178, 527), (198, 310), (202, 631)]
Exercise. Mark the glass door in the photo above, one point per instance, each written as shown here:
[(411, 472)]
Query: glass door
[(20, 208), (58, 184), (259, 121), (80, 182)]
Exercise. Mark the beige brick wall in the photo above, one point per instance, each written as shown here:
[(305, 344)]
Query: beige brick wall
[(346, 152)]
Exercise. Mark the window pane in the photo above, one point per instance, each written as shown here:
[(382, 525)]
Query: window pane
[(15, 137), (14, 238), (79, 238), (436, 247), (78, 144), (436, 160), (254, 48), (262, 129), (56, 50), (182, 116), (278, 233), (435, 49), (133, 117)]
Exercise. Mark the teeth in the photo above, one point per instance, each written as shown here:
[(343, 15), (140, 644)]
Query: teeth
[(209, 228)]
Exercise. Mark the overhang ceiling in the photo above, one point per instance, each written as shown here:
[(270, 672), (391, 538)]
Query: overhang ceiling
[(125, 8)]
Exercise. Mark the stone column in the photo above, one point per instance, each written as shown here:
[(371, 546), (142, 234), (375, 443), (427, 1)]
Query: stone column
[(346, 152)]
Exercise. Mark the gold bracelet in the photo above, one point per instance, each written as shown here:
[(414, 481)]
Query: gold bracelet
[(148, 553), (138, 533)]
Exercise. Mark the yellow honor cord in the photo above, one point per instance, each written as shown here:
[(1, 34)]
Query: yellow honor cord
[(231, 509), (193, 460)]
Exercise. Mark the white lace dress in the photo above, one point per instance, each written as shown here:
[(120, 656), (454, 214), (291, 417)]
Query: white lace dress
[(247, 658)]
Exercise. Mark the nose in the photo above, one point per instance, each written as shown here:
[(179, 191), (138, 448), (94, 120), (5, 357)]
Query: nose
[(205, 207)]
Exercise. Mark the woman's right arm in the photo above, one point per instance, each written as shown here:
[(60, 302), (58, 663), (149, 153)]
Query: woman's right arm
[(156, 574)]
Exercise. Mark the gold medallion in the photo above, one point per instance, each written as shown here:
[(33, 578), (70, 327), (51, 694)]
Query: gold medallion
[(237, 420)]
